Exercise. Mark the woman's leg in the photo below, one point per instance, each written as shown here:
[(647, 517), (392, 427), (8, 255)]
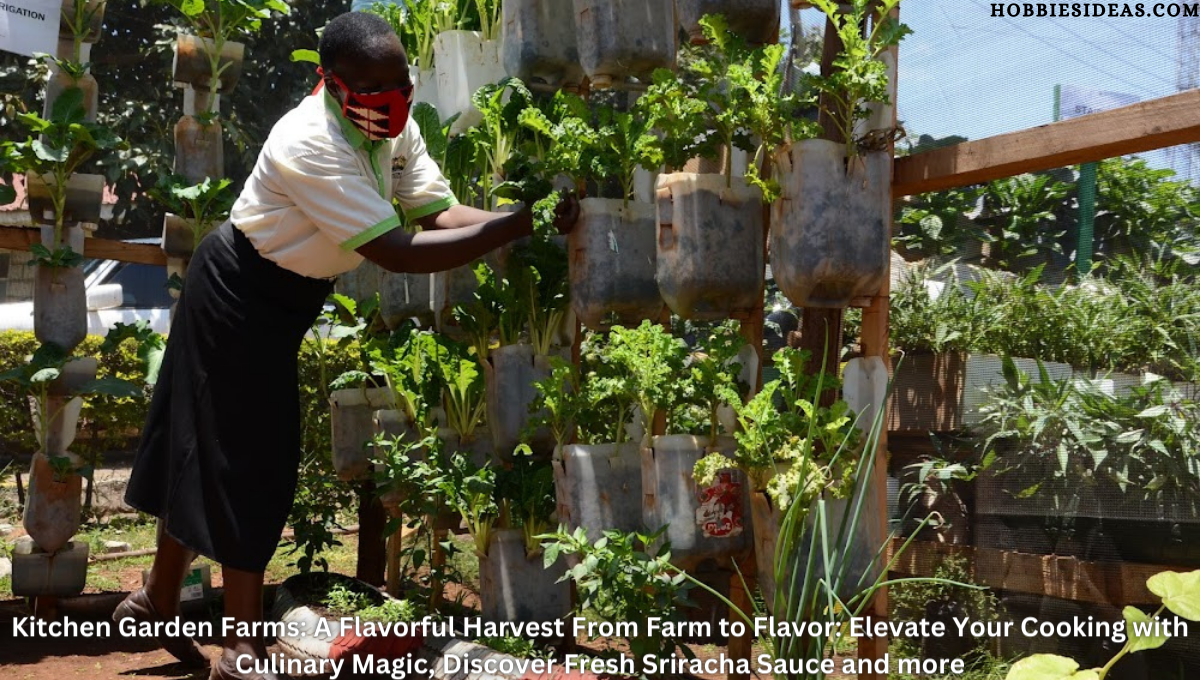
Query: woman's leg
[(243, 605), (165, 581), (158, 600)]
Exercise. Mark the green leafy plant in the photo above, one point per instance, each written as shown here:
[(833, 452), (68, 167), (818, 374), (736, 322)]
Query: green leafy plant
[(934, 223), (343, 601), (471, 491), (58, 147), (496, 138), (794, 453), (221, 21), (619, 580), (545, 276), (520, 647), (463, 396), (489, 18), (559, 402), (43, 368), (526, 490), (353, 324), (499, 306), (1021, 213), (651, 358), (714, 372), (151, 346), (859, 77), (1180, 594), (562, 141), (1069, 437), (205, 204), (78, 17), (409, 364)]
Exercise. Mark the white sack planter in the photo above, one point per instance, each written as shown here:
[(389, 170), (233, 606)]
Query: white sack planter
[(352, 427), (710, 523), (709, 246), (622, 38), (510, 373), (464, 62), (539, 42), (478, 448), (425, 88), (599, 487), (515, 587), (402, 296), (361, 282), (830, 238), (612, 260)]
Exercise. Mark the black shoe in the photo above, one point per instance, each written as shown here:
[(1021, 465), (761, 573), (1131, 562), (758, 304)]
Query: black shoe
[(139, 608)]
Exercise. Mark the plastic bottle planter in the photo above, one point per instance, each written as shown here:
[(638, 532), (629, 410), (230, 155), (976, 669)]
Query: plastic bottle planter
[(709, 246), (402, 296), (755, 20), (52, 508), (38, 572), (622, 38), (59, 82), (85, 197), (425, 88), (60, 296), (599, 487), (539, 42), (712, 523), (192, 66), (830, 235), (856, 555), (510, 373), (178, 237), (199, 149), (464, 63), (352, 414), (478, 448), (612, 253), (514, 587), (361, 282)]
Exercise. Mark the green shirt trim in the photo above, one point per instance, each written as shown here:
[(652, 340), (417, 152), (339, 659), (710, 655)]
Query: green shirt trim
[(431, 208), (365, 237)]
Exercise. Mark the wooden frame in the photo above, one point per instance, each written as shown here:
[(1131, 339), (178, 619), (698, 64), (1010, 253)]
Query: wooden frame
[(20, 238)]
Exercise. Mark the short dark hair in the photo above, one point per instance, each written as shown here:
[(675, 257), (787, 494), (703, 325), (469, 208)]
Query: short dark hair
[(353, 36)]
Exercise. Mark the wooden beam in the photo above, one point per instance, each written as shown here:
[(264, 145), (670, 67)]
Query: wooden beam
[(19, 238), (1066, 578), (1168, 121)]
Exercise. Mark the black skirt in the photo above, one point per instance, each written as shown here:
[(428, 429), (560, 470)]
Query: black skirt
[(219, 454)]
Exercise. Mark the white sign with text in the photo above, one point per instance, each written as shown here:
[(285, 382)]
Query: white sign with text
[(29, 26)]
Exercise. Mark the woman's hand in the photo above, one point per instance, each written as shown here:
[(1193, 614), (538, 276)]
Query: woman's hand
[(566, 213)]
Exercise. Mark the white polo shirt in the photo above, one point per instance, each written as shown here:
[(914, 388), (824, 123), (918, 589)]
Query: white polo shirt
[(320, 189)]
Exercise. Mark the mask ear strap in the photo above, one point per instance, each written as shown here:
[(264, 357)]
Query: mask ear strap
[(320, 80)]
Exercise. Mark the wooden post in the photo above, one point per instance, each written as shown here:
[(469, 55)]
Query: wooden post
[(875, 332), (372, 552), (821, 329)]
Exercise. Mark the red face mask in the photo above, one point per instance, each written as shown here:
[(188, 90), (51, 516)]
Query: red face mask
[(378, 115)]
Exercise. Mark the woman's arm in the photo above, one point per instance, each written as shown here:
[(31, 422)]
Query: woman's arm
[(456, 241), (446, 247), (457, 217)]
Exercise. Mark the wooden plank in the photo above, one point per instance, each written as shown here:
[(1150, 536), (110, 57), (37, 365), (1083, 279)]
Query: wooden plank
[(1058, 576), (874, 341), (20, 238), (1146, 126)]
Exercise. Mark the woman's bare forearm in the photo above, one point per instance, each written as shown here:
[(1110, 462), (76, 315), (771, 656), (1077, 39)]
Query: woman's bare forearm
[(446, 247), (457, 217)]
